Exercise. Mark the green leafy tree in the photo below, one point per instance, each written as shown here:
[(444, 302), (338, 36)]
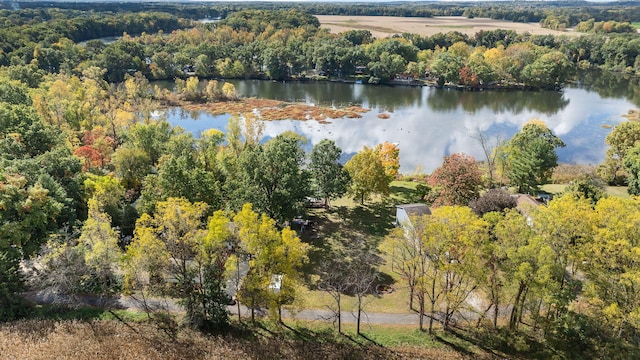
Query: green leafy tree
[(368, 175), (548, 71), (447, 67), (152, 137), (272, 177), (622, 138), (631, 164), (273, 254), (589, 188), (611, 266), (99, 244), (11, 284), (531, 156), (13, 92), (131, 166), (330, 177)]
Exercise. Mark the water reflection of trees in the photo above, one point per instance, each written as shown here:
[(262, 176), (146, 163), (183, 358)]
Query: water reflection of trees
[(546, 102), (390, 98), (608, 84)]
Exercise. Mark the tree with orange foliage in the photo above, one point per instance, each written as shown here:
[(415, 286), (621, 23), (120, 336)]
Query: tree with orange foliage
[(389, 155), (456, 182)]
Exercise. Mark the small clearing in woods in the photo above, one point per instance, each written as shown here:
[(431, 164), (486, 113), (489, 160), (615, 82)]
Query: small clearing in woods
[(385, 26)]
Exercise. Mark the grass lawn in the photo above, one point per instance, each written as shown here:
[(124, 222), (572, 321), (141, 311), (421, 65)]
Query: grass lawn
[(336, 228), (618, 191)]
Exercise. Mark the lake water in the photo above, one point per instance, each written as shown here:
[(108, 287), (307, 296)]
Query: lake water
[(429, 123)]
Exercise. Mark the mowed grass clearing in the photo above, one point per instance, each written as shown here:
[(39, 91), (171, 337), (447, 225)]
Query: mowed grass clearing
[(338, 226), (386, 26), (617, 191)]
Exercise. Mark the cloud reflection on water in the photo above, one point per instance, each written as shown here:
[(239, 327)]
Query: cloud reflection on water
[(429, 123)]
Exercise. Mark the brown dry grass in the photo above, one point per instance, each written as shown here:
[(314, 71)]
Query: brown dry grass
[(385, 26), (633, 115), (275, 110), (107, 339)]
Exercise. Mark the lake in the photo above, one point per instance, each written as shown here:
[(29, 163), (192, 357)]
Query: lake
[(428, 123)]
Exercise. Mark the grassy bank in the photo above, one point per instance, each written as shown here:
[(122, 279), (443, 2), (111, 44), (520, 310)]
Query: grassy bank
[(110, 339)]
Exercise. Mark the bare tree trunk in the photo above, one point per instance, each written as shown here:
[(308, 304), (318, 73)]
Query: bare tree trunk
[(421, 315), (253, 309), (433, 314), (359, 314), (238, 287), (433, 304), (514, 311), (339, 315), (411, 298), (483, 316)]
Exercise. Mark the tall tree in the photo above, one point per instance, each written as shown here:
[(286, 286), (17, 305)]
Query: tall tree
[(461, 235), (99, 244), (525, 268), (328, 174), (368, 175), (411, 253), (272, 177), (362, 274), (611, 266), (178, 225), (439, 255), (531, 156), (621, 139), (273, 255), (631, 164), (457, 181), (335, 282), (389, 155)]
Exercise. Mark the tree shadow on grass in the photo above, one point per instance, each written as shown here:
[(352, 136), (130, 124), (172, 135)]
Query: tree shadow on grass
[(370, 340), (404, 195), (478, 342), (374, 219), (456, 347)]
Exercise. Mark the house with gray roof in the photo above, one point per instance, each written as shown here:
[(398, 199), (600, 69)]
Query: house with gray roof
[(404, 213)]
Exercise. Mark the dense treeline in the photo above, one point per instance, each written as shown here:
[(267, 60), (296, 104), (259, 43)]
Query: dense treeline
[(571, 12), (290, 44), (22, 30)]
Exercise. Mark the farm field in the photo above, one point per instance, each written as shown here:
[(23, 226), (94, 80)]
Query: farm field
[(384, 26)]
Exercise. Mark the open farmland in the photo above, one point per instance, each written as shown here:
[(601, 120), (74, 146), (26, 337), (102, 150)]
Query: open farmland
[(384, 26)]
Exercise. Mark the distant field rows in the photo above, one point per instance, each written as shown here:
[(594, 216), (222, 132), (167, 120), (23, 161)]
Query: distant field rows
[(384, 26)]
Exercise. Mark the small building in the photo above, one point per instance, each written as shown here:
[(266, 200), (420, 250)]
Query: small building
[(404, 213), (361, 70), (526, 205)]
